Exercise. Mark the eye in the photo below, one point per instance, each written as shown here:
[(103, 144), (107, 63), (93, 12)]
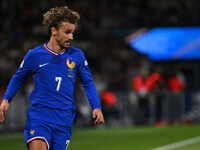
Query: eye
[(67, 32)]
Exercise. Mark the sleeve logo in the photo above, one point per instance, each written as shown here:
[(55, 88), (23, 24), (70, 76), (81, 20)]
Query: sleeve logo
[(21, 65), (86, 63)]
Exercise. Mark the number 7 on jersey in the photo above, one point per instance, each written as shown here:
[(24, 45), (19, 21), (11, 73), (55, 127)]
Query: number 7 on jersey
[(58, 79)]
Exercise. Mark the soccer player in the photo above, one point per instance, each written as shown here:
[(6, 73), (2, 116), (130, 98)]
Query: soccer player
[(54, 66)]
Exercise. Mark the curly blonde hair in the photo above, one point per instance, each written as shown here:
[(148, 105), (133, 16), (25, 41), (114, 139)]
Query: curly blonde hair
[(55, 16)]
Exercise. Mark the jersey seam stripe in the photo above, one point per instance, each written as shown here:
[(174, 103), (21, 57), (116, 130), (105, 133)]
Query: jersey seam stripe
[(49, 50)]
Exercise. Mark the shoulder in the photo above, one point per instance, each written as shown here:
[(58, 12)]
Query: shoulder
[(34, 52), (76, 50), (78, 53)]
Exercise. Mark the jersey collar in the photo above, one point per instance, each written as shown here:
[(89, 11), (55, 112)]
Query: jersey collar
[(53, 52)]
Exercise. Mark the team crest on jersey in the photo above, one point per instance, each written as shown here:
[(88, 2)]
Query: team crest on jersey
[(32, 132), (71, 64)]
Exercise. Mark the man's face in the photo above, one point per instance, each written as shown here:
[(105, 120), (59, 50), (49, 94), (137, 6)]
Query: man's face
[(64, 34)]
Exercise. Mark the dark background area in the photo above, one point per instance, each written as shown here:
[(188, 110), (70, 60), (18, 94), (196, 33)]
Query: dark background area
[(101, 34)]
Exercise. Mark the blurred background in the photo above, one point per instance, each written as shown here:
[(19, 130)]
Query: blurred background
[(144, 56)]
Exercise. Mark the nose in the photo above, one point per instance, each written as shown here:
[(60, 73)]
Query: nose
[(71, 36)]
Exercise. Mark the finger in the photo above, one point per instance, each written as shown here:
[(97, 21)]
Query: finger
[(1, 117), (102, 120), (1, 113), (99, 119), (94, 115), (4, 112), (3, 109), (96, 121), (6, 107)]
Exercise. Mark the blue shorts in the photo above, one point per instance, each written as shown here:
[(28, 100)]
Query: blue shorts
[(56, 137)]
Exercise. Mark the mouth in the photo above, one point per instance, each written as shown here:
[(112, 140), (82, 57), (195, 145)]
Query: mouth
[(67, 42)]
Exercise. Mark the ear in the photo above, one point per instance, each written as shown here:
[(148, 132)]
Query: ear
[(53, 31)]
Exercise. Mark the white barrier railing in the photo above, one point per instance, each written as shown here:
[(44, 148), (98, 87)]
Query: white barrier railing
[(174, 109)]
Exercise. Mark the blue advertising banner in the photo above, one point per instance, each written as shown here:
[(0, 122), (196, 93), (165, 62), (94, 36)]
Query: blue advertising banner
[(169, 43)]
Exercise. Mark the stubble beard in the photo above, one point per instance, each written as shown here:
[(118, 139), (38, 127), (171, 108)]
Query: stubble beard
[(62, 45)]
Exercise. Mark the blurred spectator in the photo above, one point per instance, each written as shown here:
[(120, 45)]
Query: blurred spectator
[(158, 83), (176, 80), (176, 86), (142, 87), (109, 106)]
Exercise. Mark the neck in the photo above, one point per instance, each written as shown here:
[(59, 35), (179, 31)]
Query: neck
[(53, 45)]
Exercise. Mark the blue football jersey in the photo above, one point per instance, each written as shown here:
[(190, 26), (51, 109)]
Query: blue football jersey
[(54, 76)]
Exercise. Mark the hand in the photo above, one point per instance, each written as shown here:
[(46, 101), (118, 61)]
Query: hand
[(3, 109), (98, 116)]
